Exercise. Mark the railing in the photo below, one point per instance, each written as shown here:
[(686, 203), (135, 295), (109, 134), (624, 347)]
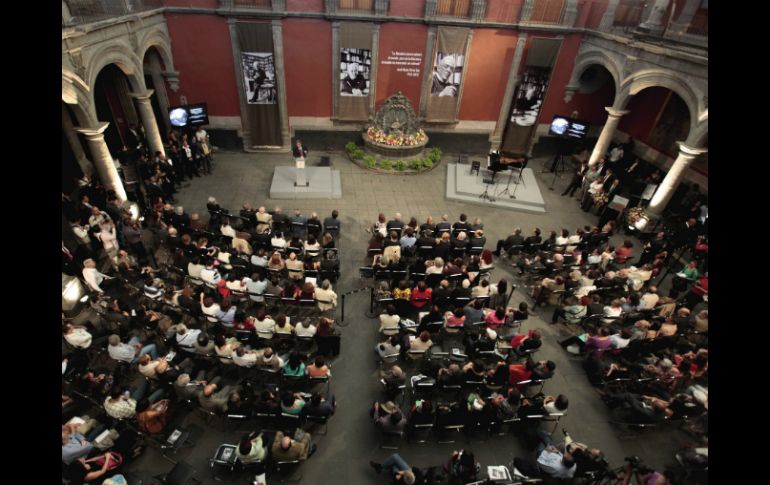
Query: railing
[(503, 11), (628, 13), (267, 4), (85, 11), (453, 8), (547, 11), (356, 5), (700, 23)]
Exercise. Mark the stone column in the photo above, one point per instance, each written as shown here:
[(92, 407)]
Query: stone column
[(72, 138), (103, 160), (653, 24), (496, 138), (608, 19), (526, 11), (66, 15), (680, 25), (280, 74), (148, 121), (606, 135), (667, 188), (427, 76)]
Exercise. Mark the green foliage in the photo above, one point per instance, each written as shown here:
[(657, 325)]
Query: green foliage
[(416, 164), (370, 161), (427, 163), (350, 147), (400, 165), (357, 154), (386, 164), (435, 154)]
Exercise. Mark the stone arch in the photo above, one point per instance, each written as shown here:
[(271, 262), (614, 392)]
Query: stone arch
[(121, 56), (160, 41), (648, 78), (699, 132), (586, 60), (77, 95)]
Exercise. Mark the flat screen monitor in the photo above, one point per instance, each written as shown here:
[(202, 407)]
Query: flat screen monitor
[(189, 115), (570, 127)]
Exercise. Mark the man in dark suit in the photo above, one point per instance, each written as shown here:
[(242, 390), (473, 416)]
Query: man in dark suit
[(299, 150), (533, 239), (298, 224), (395, 224), (426, 239), (514, 239), (478, 240), (461, 225), (653, 248), (280, 220), (443, 225), (332, 224)]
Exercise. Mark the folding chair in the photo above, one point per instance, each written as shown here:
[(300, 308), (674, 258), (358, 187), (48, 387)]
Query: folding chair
[(282, 466), (391, 439), (318, 421), (224, 459)]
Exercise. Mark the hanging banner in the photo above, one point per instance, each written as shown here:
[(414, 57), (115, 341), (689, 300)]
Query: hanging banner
[(447, 74), (259, 77), (529, 96), (355, 65), (262, 116), (354, 71)]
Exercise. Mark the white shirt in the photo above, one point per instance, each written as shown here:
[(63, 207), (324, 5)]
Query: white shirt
[(302, 331), (615, 154), (79, 338), (247, 360), (260, 261), (100, 219), (594, 259), (227, 231), (650, 300), (561, 241), (122, 352), (619, 342), (108, 238), (194, 270), (210, 276), (434, 270), (278, 242), (256, 287), (149, 369), (211, 312), (81, 233), (201, 135), (94, 278), (189, 338), (266, 325)]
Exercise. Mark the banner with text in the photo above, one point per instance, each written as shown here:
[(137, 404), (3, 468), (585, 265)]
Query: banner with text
[(401, 61)]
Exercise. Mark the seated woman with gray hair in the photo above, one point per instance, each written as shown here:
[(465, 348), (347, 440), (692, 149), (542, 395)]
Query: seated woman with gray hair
[(325, 296)]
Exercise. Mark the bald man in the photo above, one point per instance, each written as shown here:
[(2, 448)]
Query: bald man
[(443, 82)]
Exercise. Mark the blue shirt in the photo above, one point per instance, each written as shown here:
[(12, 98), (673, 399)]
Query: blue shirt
[(74, 450), (407, 241)]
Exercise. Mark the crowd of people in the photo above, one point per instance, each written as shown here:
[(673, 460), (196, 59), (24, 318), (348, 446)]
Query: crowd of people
[(182, 314)]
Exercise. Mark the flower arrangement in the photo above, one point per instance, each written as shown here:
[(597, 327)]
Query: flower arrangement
[(396, 140), (635, 214)]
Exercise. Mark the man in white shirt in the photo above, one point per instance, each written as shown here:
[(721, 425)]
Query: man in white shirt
[(186, 337), (210, 275), (77, 336), (244, 358), (553, 462), (95, 279), (130, 352), (194, 268), (264, 219), (306, 329), (266, 326), (650, 299)]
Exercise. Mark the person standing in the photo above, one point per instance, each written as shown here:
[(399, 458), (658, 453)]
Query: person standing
[(299, 150), (577, 179)]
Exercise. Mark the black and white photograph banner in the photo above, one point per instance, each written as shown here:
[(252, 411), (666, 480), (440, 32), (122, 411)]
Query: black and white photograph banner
[(259, 74), (355, 67), (447, 73)]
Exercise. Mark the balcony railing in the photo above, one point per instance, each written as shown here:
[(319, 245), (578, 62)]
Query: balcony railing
[(266, 4), (453, 8), (363, 6), (547, 11), (85, 11)]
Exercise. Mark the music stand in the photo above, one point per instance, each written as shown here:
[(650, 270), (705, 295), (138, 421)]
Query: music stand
[(488, 181)]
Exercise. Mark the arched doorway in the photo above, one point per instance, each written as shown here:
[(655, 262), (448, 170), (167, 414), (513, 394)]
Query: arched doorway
[(114, 105), (657, 117)]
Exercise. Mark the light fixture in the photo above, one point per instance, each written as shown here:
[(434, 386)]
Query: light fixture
[(133, 209)]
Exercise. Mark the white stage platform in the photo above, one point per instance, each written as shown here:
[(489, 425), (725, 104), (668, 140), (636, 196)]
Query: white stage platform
[(324, 184), (466, 187)]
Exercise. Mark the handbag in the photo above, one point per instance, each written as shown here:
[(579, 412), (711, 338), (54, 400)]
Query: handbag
[(116, 461)]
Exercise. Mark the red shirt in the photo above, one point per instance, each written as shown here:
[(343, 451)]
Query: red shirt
[(622, 254), (702, 287), (417, 294), (247, 324), (518, 373), (492, 321)]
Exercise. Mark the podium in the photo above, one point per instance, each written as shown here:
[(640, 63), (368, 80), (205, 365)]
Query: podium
[(300, 173)]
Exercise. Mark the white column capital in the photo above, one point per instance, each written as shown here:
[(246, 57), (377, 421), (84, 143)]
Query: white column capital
[(689, 151), (616, 113), (142, 96), (93, 131)]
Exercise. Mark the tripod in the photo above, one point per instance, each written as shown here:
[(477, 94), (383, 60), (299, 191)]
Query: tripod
[(507, 187), (558, 168), (485, 195)]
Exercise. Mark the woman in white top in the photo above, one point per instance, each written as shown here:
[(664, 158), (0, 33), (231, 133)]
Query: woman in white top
[(77, 336), (563, 239), (305, 329), (278, 241), (482, 289), (209, 308), (295, 267), (106, 234), (438, 267), (226, 229), (259, 259), (324, 294), (596, 186), (557, 404), (225, 348), (312, 246), (148, 367), (614, 310)]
